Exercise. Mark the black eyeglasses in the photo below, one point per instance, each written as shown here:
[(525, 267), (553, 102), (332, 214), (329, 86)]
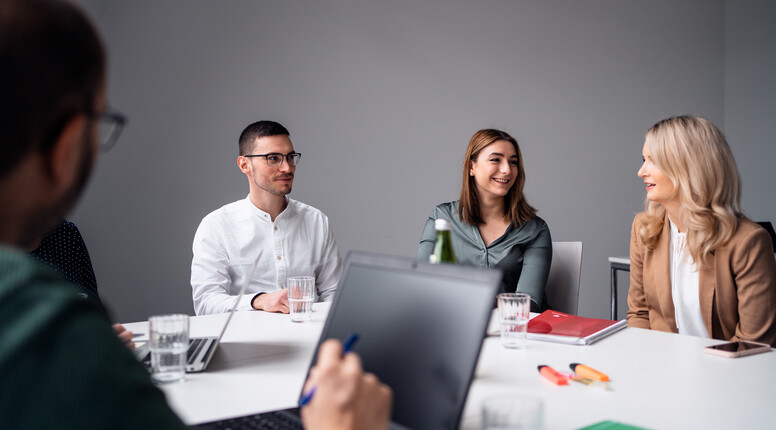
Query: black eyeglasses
[(111, 123), (275, 159)]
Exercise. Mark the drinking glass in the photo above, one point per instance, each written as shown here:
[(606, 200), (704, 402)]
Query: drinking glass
[(512, 413), (301, 295), (514, 312), (168, 338)]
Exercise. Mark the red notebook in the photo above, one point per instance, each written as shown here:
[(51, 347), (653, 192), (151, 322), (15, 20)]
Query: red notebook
[(554, 326)]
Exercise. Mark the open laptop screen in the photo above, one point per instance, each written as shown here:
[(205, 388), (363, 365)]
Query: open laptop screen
[(420, 330)]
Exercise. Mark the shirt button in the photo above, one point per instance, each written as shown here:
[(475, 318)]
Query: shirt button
[(276, 228), (279, 257)]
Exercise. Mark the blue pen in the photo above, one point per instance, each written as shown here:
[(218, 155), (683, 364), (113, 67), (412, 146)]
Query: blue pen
[(346, 347)]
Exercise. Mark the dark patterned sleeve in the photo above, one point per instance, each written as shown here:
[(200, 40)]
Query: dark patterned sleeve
[(64, 250)]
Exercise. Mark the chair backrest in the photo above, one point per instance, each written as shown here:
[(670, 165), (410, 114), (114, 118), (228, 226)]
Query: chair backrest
[(563, 283), (769, 228)]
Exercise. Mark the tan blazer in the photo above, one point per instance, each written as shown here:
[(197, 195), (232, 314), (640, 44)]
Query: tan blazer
[(737, 287)]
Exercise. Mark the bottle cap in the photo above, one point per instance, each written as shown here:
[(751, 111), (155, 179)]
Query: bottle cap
[(442, 224)]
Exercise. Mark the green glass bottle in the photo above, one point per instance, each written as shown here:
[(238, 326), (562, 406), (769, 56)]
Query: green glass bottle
[(443, 249)]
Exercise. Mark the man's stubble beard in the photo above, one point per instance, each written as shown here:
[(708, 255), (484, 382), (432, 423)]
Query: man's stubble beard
[(85, 166), (268, 187), (46, 219)]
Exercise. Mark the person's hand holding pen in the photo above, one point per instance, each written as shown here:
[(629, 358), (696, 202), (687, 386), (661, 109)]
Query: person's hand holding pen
[(345, 397)]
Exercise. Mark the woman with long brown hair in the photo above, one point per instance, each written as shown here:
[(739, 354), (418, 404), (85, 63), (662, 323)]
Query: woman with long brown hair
[(492, 224), (698, 265)]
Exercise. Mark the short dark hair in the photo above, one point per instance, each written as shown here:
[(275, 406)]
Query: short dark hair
[(259, 129), (52, 66)]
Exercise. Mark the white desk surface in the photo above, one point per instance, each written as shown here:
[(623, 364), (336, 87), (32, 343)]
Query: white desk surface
[(659, 380), (260, 365)]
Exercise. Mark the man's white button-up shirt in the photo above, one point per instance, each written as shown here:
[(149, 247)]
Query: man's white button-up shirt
[(230, 239)]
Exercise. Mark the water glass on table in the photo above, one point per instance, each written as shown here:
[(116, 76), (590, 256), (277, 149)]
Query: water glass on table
[(301, 295), (512, 413), (514, 312), (168, 339)]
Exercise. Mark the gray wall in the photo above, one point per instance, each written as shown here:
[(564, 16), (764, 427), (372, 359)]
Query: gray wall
[(381, 98), (750, 100)]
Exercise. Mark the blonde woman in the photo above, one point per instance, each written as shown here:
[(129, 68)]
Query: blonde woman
[(698, 265), (492, 224)]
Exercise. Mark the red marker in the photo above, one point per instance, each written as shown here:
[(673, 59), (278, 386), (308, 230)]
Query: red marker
[(553, 375), (588, 372)]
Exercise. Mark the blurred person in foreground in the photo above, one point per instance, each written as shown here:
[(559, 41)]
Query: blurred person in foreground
[(62, 364)]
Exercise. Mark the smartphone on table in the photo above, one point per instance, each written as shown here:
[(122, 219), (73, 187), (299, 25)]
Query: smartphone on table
[(737, 349)]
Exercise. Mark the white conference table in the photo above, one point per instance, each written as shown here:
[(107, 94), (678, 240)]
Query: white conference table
[(659, 380)]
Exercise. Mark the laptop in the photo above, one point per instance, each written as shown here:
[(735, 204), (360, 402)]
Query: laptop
[(420, 329), (201, 349)]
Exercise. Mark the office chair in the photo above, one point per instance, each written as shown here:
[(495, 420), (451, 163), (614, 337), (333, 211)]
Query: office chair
[(769, 228), (563, 283)]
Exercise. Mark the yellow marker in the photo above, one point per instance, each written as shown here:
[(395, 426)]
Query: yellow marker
[(588, 372)]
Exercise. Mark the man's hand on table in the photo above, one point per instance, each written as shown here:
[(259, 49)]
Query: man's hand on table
[(345, 397), (276, 301)]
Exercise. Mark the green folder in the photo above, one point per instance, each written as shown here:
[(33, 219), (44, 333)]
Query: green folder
[(611, 425)]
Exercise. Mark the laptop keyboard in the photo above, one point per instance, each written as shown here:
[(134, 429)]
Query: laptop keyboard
[(194, 346), (277, 420)]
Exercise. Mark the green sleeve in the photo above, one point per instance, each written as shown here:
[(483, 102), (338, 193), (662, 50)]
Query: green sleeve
[(72, 372), (537, 257), (427, 240)]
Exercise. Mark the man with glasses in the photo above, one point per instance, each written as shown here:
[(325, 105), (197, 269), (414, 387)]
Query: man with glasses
[(62, 366), (286, 237)]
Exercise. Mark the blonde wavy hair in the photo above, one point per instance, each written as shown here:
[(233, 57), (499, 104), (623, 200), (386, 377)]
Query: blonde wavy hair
[(694, 154)]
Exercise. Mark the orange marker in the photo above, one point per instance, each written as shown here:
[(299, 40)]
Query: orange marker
[(553, 375), (588, 372)]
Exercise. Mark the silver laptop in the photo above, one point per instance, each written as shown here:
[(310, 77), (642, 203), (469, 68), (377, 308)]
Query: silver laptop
[(420, 328), (201, 349)]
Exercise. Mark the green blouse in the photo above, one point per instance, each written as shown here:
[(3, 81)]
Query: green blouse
[(523, 252)]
